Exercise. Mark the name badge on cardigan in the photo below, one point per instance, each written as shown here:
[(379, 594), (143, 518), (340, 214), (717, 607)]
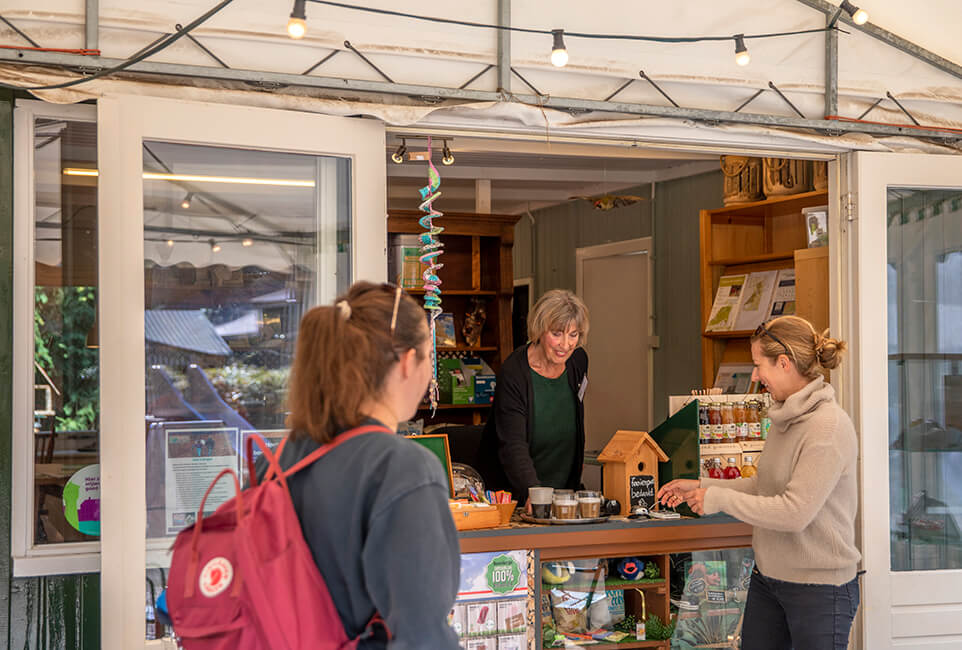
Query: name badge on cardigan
[(582, 388)]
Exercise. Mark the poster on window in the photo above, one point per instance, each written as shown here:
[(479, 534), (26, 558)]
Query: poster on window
[(193, 459)]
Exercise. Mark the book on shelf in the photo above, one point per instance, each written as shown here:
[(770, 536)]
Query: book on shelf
[(756, 298), (783, 299), (736, 378), (725, 308), (444, 330)]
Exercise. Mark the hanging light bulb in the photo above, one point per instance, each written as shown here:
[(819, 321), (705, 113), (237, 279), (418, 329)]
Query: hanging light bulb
[(398, 156), (559, 54), (447, 158), (247, 242), (185, 204), (297, 25), (214, 246), (859, 16), (741, 52)]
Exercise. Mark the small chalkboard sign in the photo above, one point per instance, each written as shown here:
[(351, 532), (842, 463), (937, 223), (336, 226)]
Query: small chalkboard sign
[(716, 596), (641, 491)]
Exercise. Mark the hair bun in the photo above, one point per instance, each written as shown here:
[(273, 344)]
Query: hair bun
[(829, 351)]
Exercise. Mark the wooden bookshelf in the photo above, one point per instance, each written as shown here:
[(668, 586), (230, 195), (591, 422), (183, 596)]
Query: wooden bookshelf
[(762, 236), (477, 264)]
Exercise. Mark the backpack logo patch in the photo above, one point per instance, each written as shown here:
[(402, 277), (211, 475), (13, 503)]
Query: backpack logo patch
[(216, 576)]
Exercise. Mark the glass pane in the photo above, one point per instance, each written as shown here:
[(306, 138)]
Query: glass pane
[(66, 419), (238, 244), (925, 378)]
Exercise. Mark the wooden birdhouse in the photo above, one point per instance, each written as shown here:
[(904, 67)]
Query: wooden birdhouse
[(630, 472)]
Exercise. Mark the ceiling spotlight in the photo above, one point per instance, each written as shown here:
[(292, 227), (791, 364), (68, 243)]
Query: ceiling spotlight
[(447, 156), (741, 52), (247, 242), (559, 55), (170, 242), (859, 16), (185, 204), (214, 246), (297, 25), (398, 156)]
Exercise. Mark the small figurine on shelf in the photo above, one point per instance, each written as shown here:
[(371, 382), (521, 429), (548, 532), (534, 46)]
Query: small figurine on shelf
[(474, 322)]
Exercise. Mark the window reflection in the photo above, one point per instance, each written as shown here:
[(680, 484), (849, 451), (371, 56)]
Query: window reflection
[(66, 360), (925, 378), (238, 244)]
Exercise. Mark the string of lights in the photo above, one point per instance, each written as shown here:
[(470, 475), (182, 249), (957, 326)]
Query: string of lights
[(297, 28)]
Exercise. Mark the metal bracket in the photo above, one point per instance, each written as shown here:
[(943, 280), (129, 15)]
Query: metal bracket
[(21, 32), (903, 109), (749, 100), (848, 207), (620, 88), (469, 81), (180, 28), (641, 73), (321, 62), (366, 60), (780, 94), (869, 109), (528, 83)]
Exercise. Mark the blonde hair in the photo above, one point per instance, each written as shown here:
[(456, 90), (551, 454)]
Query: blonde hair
[(796, 338), (554, 311)]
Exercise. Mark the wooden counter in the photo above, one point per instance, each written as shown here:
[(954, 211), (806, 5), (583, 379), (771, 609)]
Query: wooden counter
[(617, 537)]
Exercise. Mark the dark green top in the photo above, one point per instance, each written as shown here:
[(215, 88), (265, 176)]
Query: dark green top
[(555, 429)]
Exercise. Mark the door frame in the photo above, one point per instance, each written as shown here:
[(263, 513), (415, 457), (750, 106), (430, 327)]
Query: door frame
[(887, 597), (123, 123), (640, 246)]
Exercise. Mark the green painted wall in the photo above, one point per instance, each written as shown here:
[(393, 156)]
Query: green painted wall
[(545, 251)]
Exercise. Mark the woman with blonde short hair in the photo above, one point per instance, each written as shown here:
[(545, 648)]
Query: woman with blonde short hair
[(536, 432), (804, 591)]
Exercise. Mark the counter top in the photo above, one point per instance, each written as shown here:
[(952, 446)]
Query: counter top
[(618, 536)]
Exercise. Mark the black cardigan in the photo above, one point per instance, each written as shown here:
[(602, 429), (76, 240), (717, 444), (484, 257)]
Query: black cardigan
[(505, 456)]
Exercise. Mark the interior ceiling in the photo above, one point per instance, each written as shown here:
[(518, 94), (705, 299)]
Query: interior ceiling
[(528, 175)]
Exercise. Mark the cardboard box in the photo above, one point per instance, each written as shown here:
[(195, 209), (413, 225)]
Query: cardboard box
[(453, 386), (484, 386)]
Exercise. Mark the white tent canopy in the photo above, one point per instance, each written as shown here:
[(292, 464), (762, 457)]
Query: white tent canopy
[(252, 36)]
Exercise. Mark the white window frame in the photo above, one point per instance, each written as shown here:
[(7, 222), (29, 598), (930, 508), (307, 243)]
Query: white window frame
[(31, 559)]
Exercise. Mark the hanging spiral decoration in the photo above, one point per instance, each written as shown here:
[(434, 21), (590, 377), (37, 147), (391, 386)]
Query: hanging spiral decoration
[(431, 249)]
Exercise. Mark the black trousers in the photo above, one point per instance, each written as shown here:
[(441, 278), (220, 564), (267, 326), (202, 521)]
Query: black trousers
[(782, 615)]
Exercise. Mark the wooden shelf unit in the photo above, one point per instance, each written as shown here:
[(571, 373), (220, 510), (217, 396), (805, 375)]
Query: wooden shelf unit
[(762, 236), (477, 264)]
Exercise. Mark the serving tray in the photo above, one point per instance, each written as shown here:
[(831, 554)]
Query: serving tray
[(562, 522)]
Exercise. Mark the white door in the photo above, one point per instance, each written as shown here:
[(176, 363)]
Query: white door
[(907, 336), (614, 281), (219, 226)]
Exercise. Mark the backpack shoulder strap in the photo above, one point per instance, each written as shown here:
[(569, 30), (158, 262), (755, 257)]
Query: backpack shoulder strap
[(323, 449)]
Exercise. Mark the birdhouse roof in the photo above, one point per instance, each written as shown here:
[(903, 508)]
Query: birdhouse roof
[(625, 445)]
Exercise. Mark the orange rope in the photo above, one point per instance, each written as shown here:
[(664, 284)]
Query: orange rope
[(83, 52)]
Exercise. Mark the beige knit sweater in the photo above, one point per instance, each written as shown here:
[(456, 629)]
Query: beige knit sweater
[(803, 500)]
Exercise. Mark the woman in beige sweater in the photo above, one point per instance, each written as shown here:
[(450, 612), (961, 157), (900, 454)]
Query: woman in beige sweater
[(804, 592)]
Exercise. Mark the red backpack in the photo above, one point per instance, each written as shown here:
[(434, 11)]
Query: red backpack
[(243, 578)]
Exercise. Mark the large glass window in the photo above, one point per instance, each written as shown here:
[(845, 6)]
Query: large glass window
[(66, 407), (238, 244), (925, 378)]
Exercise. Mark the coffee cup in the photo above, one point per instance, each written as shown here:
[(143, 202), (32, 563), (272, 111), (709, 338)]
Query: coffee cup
[(540, 500), (589, 504), (566, 507)]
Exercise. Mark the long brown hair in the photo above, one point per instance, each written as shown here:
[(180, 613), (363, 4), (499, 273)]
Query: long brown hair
[(344, 352), (796, 338)]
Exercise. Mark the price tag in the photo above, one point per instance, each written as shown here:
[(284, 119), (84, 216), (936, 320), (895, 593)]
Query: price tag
[(641, 491)]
